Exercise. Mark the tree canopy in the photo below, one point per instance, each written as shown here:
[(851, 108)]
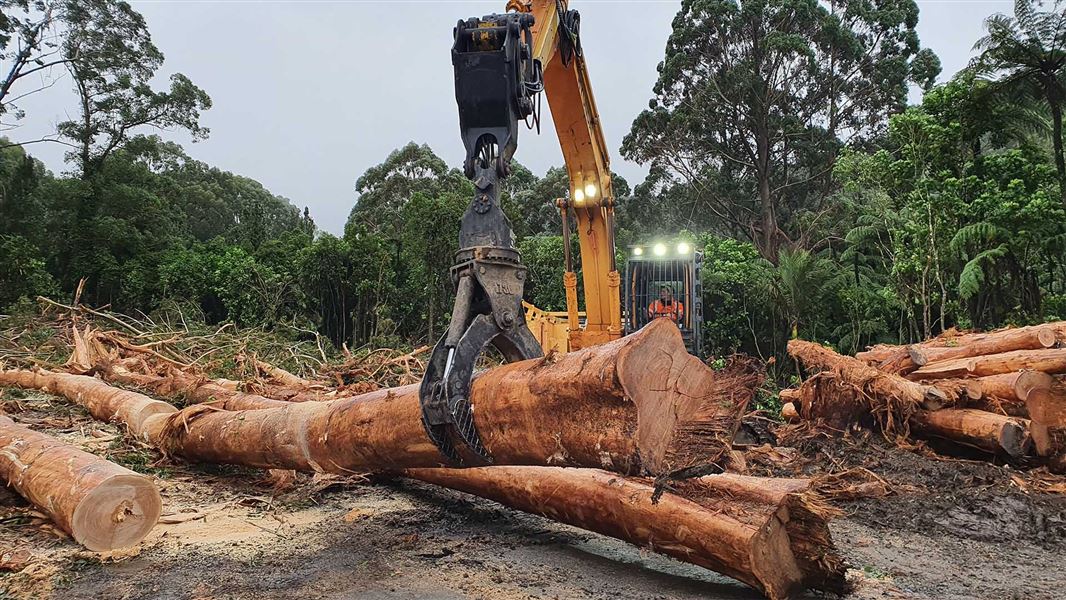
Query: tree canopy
[(778, 141)]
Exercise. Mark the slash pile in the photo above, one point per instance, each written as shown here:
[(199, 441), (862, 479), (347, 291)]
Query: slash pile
[(1001, 392)]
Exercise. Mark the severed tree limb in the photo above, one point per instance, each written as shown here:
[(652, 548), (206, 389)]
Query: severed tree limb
[(768, 533), (101, 505), (218, 393)]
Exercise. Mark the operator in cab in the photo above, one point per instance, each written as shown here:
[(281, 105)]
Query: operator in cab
[(666, 306)]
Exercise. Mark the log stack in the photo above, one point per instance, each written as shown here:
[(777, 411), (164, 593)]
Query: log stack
[(1002, 392)]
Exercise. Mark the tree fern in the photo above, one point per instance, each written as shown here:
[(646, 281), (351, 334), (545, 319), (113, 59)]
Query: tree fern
[(977, 236), (975, 271)]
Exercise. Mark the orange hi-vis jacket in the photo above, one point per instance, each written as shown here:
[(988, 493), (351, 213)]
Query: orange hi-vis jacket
[(675, 311)]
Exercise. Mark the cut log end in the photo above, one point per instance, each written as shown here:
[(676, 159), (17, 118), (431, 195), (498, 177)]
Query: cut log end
[(789, 412), (117, 513), (1047, 337), (687, 413), (1014, 439), (917, 356)]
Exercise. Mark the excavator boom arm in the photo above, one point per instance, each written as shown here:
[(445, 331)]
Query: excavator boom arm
[(557, 46)]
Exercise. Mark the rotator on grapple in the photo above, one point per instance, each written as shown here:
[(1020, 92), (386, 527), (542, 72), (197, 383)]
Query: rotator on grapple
[(497, 83)]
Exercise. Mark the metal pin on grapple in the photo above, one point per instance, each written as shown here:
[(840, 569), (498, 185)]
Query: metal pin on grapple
[(496, 82)]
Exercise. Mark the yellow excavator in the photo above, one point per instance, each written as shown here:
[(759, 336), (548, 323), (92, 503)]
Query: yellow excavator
[(503, 63)]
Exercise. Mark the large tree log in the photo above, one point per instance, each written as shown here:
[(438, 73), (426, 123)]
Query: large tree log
[(1052, 360), (100, 504), (104, 402), (761, 531), (984, 430), (1003, 394), (1047, 409), (874, 391), (637, 405), (905, 359)]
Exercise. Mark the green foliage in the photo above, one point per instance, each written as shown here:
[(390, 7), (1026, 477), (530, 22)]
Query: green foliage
[(385, 189), (543, 255), (754, 99), (777, 135), (22, 272), (736, 280), (1024, 54), (112, 61)]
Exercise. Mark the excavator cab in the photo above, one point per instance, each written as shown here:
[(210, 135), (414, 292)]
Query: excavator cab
[(650, 268)]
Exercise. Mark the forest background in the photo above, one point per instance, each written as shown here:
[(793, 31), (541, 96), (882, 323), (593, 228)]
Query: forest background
[(778, 141)]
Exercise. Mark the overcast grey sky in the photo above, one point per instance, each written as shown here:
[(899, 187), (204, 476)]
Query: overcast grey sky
[(308, 95)]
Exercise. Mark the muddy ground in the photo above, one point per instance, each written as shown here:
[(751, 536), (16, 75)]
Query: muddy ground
[(950, 529)]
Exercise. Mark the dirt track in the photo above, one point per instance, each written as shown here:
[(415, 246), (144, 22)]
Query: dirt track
[(952, 530)]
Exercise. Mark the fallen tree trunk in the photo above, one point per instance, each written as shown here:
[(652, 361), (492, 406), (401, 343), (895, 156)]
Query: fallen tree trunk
[(874, 391), (101, 505), (987, 431), (104, 402), (950, 345), (179, 385), (278, 374), (637, 405), (1047, 409), (1003, 394), (905, 359), (1052, 360), (761, 531)]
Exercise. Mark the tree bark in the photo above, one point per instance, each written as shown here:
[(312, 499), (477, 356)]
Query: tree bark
[(101, 505), (905, 359), (1056, 142), (220, 394), (640, 404), (1003, 394), (764, 532), (987, 431), (877, 385), (1051, 360), (104, 402), (1047, 409)]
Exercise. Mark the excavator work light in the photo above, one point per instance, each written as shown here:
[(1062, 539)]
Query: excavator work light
[(579, 196), (638, 251), (683, 248), (659, 249), (590, 190)]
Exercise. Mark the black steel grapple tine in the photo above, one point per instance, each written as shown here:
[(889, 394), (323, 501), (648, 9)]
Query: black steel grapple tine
[(495, 82)]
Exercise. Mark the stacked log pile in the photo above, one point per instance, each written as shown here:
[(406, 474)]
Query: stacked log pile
[(1003, 392)]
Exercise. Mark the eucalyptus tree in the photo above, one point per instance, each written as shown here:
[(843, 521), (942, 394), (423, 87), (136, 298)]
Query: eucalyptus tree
[(755, 98), (28, 46), (112, 61)]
